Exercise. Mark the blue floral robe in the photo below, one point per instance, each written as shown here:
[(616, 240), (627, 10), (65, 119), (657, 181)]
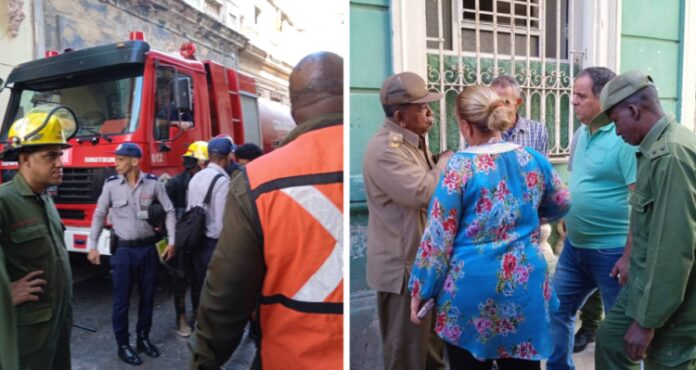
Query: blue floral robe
[(480, 257)]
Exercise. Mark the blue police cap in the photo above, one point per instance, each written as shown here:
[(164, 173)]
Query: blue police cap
[(220, 146), (129, 150)]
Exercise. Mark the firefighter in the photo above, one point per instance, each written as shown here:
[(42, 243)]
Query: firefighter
[(31, 236), (195, 159), (129, 195), (281, 245)]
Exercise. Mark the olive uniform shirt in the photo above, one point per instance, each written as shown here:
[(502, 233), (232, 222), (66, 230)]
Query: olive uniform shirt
[(235, 273), (31, 236), (9, 356), (400, 177), (662, 283)]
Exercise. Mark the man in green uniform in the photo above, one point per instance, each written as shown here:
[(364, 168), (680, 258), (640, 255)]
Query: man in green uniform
[(654, 317), (8, 324), (31, 236)]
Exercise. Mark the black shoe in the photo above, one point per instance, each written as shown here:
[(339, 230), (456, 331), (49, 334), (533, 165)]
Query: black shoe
[(583, 338), (144, 345), (127, 355)]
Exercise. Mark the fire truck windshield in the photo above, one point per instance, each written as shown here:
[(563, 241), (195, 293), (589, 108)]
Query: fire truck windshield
[(103, 109)]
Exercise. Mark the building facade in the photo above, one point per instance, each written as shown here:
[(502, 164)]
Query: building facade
[(542, 43)]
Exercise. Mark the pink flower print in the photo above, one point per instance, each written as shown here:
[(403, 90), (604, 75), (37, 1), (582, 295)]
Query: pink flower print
[(452, 181), (503, 353), (509, 264), (440, 321), (450, 286), (482, 325), (452, 332), (450, 224), (532, 179), (426, 248), (484, 162), (561, 196), (502, 190), (473, 229), (522, 274), (436, 211), (501, 233), (415, 291), (547, 290), (525, 350), (483, 205), (505, 327)]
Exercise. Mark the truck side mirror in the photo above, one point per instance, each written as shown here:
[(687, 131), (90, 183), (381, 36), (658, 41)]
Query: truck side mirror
[(181, 94)]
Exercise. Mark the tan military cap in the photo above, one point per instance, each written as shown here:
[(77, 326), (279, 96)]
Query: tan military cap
[(406, 88), (617, 90)]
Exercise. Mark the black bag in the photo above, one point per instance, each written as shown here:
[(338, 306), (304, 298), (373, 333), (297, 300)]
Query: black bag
[(190, 230)]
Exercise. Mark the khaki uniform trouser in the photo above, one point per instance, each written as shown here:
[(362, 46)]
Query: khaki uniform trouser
[(609, 350), (405, 344)]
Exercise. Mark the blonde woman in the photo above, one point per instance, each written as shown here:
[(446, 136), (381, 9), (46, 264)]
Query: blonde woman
[(479, 257)]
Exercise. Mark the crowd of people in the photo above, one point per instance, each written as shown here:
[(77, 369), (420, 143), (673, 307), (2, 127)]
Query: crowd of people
[(460, 232), (270, 252)]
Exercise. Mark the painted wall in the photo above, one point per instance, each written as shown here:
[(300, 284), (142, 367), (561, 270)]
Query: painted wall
[(656, 49), (21, 44), (370, 63), (166, 23)]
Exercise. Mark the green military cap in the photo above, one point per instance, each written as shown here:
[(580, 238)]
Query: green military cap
[(617, 90)]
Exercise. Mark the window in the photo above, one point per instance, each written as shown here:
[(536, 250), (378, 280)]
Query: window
[(105, 108), (173, 102), (502, 24), (213, 8)]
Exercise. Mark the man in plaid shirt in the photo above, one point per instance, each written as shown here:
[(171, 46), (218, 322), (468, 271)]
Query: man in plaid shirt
[(525, 132)]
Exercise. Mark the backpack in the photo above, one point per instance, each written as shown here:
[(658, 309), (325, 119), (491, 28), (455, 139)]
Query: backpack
[(190, 230)]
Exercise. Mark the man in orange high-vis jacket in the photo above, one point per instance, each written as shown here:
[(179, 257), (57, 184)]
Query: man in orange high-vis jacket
[(281, 244)]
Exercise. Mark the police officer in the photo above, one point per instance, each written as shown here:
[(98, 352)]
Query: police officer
[(129, 196), (219, 149), (31, 237), (195, 159)]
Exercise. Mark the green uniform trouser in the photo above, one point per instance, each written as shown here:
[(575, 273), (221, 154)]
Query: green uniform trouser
[(46, 345), (609, 350), (591, 312)]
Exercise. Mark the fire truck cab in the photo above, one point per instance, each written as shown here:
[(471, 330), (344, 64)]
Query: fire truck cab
[(128, 92)]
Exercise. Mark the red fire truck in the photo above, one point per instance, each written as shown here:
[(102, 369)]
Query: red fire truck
[(127, 92)]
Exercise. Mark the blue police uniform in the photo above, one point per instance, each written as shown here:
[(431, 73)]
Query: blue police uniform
[(136, 258)]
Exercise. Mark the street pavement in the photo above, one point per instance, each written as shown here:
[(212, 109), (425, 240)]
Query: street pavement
[(92, 311)]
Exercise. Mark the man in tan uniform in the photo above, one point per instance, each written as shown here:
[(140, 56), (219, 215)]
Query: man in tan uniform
[(400, 178)]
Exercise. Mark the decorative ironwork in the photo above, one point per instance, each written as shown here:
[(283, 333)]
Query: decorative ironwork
[(546, 82)]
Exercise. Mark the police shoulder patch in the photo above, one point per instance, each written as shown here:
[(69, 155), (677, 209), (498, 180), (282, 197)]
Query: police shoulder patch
[(150, 176), (111, 178)]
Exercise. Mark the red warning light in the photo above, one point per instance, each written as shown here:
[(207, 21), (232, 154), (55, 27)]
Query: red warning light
[(137, 36), (188, 50), (51, 53)]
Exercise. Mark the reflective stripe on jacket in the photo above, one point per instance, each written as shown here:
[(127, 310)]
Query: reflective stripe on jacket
[(299, 202)]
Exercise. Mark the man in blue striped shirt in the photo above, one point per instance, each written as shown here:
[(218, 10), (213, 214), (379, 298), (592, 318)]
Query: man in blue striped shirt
[(525, 132)]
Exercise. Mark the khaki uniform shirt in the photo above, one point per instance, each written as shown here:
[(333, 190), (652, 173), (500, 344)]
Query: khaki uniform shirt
[(31, 236), (662, 279), (400, 178)]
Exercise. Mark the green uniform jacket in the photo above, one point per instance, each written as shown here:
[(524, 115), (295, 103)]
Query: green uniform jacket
[(662, 279), (9, 357), (31, 236)]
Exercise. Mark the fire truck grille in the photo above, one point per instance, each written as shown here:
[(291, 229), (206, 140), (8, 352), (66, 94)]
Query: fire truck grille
[(82, 185)]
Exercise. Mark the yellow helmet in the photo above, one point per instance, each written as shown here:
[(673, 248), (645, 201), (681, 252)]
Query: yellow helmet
[(198, 150), (48, 124), (45, 125)]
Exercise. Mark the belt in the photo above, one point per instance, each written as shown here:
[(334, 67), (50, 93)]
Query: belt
[(145, 242)]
